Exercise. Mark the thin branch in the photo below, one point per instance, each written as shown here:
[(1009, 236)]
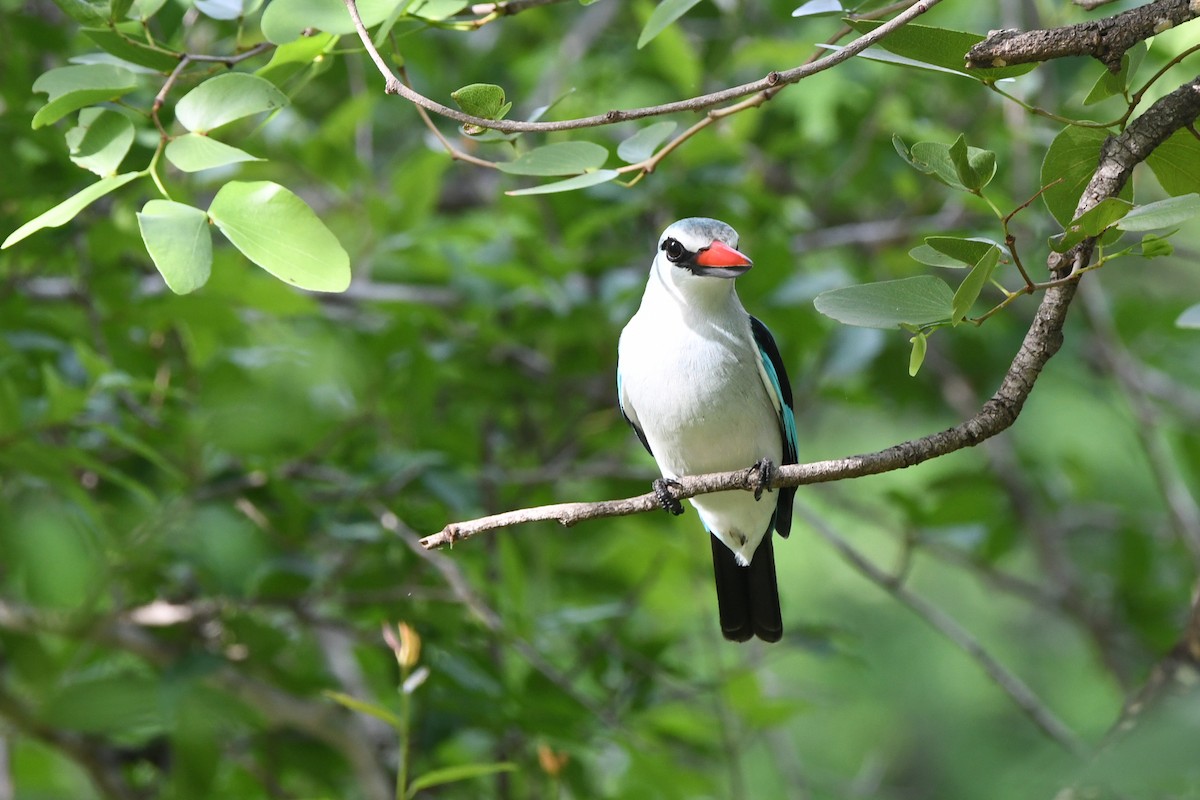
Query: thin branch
[(1118, 156), (947, 626), (1104, 39), (772, 81)]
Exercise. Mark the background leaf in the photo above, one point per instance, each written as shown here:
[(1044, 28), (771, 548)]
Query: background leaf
[(65, 211), (665, 13)]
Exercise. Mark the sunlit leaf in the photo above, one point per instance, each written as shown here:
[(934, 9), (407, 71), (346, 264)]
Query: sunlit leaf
[(225, 98), (193, 152), (918, 301), (75, 87), (663, 15), (66, 211), (279, 232), (285, 21), (289, 59), (179, 243), (100, 141), (920, 345), (220, 9)]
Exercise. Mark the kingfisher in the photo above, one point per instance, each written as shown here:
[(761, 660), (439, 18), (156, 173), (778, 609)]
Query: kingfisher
[(704, 388)]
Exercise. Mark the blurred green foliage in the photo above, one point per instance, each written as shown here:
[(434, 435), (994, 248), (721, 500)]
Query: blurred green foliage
[(208, 502)]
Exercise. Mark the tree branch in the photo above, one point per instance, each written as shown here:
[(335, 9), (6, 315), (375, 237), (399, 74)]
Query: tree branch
[(1118, 156), (1104, 39), (771, 82)]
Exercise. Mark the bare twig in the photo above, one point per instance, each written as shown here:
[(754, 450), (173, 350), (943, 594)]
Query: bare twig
[(947, 626), (1118, 156), (1104, 39), (773, 80)]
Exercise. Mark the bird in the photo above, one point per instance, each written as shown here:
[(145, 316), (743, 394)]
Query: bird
[(704, 387)]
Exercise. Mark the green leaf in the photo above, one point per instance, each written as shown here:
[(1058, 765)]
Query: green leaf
[(1099, 217), (179, 243), (663, 15), (1190, 318), (289, 59), (1072, 157), (966, 252), (73, 88), (101, 140), (884, 57), (642, 144), (1161, 214), (225, 98), (482, 100), (570, 184), (561, 158), (941, 47), (65, 211), (1109, 84), (1154, 246), (460, 772), (363, 707), (920, 345), (933, 257), (193, 152), (435, 10), (118, 41), (968, 291), (1176, 163), (84, 12), (816, 7), (286, 21), (936, 160), (918, 301), (279, 232), (118, 9), (974, 167)]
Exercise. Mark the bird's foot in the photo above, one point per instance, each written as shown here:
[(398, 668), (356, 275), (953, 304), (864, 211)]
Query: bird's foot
[(662, 492), (765, 470)]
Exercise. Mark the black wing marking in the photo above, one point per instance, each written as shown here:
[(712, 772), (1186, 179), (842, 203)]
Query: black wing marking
[(787, 421)]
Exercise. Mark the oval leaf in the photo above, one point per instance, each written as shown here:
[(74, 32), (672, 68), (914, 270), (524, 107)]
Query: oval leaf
[(65, 211), (917, 301), (663, 15), (480, 99), (279, 232), (966, 251), (1072, 157), (225, 98), (75, 87), (1162, 214), (562, 158), (286, 20), (177, 238), (570, 184), (193, 152), (941, 47), (642, 144), (101, 140)]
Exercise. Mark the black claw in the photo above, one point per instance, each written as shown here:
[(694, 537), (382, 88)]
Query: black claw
[(662, 491), (766, 476)]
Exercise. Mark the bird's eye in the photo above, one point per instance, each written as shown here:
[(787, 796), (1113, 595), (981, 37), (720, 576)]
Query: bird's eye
[(673, 249)]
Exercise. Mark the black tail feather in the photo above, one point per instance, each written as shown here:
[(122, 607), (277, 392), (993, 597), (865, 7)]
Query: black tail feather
[(747, 597)]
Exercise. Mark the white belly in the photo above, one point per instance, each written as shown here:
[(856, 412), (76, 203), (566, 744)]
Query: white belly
[(699, 398)]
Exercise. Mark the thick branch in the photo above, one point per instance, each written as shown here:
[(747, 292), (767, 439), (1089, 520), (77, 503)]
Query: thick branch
[(1104, 39), (772, 82), (1044, 338)]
